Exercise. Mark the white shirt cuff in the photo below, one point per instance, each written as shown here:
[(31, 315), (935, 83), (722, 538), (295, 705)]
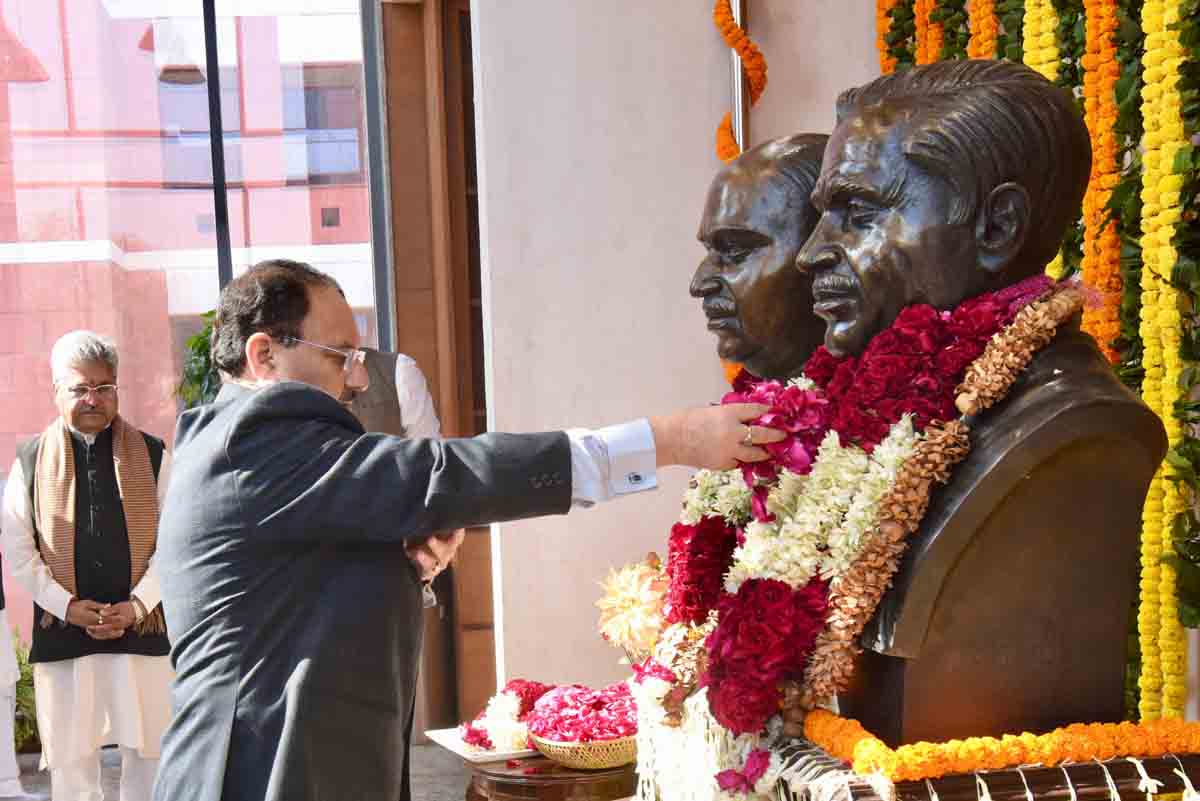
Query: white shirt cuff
[(631, 457), (612, 461)]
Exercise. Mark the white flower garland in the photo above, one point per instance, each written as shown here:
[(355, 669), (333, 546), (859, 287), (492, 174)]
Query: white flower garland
[(822, 518)]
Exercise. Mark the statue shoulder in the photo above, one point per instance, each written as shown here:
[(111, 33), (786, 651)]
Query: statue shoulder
[(1067, 421)]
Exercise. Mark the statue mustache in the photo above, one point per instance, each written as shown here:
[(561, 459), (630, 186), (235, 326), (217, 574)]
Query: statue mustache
[(719, 307), (831, 284)]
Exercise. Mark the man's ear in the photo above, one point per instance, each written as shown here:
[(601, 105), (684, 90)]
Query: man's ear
[(1001, 227), (260, 364)]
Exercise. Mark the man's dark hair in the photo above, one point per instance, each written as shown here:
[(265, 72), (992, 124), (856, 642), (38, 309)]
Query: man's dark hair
[(271, 297), (977, 124)]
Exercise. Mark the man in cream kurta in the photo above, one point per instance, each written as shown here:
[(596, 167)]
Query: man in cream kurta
[(101, 670)]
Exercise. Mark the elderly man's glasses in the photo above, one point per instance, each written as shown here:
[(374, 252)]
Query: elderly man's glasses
[(81, 391), (353, 357)]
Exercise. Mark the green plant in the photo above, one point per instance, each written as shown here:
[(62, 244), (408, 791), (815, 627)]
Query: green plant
[(25, 730), (200, 382)]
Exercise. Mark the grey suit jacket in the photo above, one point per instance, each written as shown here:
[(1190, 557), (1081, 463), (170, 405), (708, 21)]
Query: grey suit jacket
[(289, 596)]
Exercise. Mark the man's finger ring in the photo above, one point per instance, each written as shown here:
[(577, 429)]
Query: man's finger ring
[(748, 440)]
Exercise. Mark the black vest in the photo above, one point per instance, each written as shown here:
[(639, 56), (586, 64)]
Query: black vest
[(103, 571)]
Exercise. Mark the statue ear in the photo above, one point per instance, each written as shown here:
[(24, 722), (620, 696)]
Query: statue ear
[(1001, 227)]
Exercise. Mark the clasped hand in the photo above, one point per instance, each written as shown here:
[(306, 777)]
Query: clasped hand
[(433, 555), (101, 621)]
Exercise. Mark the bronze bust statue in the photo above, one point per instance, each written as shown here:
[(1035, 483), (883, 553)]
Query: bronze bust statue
[(756, 217), (1010, 610)]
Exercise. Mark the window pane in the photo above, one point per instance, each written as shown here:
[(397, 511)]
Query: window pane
[(106, 203), (106, 211), (295, 147)]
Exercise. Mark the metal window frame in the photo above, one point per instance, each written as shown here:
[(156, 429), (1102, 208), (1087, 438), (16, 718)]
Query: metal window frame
[(376, 134)]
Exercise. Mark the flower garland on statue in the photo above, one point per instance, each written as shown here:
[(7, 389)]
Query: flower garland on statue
[(847, 740), (776, 577), (754, 64), (1101, 247)]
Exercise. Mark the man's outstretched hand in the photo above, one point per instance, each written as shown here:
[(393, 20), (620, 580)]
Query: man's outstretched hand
[(714, 436)]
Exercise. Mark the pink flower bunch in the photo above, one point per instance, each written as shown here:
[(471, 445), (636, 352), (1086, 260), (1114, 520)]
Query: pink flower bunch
[(764, 635), (803, 414), (697, 558), (652, 669), (743, 781), (576, 714)]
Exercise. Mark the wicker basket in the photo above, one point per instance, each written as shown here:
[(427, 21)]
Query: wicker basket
[(595, 755)]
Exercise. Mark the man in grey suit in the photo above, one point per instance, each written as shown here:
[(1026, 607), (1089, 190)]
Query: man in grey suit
[(292, 544)]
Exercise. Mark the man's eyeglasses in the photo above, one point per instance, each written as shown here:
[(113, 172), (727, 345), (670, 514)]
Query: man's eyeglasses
[(353, 356), (81, 391)]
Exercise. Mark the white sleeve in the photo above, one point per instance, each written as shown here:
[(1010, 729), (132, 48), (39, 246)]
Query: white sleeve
[(147, 589), (611, 461), (416, 404), (20, 550)]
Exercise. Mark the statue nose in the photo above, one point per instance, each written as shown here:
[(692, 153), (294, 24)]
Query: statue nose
[(824, 258), (704, 282)]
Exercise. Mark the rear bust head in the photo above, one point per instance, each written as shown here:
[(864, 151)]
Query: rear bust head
[(756, 217)]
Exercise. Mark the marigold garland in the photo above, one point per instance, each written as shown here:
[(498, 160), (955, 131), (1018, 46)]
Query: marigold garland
[(1163, 680), (985, 29), (883, 24), (924, 54), (1039, 44), (754, 64), (1101, 264), (847, 740)]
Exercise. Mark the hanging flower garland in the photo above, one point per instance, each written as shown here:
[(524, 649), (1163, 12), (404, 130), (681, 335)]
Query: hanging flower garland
[(921, 11), (754, 64), (883, 24), (985, 29), (1185, 216), (1039, 43), (1101, 247), (1070, 38), (950, 19), (1163, 680), (847, 740)]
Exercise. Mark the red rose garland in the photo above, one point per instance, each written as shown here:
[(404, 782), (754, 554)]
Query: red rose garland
[(697, 558), (763, 636)]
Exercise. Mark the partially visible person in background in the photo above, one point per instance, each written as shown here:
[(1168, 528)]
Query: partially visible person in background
[(397, 401), (10, 673), (80, 530)]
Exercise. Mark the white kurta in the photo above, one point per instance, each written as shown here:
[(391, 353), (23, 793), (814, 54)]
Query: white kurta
[(95, 700)]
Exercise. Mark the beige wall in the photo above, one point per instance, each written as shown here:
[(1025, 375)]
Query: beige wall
[(595, 124)]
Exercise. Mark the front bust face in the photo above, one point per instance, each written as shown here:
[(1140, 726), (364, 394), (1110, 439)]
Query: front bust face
[(885, 239), (757, 303)]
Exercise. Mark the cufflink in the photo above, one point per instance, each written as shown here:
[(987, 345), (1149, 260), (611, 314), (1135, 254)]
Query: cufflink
[(634, 478)]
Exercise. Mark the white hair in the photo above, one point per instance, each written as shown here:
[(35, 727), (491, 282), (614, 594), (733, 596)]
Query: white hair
[(78, 348)]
